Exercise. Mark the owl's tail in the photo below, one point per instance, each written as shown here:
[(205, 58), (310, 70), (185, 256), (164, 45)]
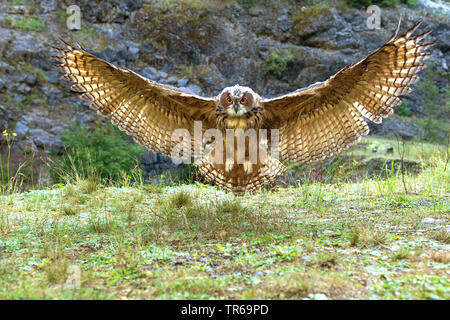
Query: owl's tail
[(237, 181)]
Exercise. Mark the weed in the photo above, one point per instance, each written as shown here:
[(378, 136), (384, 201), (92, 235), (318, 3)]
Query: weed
[(277, 63)]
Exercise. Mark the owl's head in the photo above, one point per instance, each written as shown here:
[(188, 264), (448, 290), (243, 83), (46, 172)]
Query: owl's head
[(237, 101)]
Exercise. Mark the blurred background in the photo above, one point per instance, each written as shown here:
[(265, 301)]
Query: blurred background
[(272, 46)]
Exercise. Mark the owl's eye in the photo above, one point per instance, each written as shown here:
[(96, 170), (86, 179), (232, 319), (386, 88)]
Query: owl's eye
[(243, 100), (229, 101)]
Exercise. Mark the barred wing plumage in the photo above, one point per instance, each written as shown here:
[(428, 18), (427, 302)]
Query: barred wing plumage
[(144, 109), (320, 121)]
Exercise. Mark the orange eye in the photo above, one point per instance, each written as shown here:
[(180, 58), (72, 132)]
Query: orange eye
[(229, 101), (243, 100)]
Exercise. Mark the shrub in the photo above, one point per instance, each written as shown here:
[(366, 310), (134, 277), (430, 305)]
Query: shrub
[(277, 63), (104, 153), (403, 109)]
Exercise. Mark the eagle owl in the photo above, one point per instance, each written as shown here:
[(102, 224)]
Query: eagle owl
[(312, 124)]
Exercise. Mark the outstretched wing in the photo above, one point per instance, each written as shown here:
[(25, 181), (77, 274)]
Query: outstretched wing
[(326, 118), (144, 109)]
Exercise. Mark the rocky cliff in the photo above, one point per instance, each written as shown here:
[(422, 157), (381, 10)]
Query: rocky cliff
[(273, 47)]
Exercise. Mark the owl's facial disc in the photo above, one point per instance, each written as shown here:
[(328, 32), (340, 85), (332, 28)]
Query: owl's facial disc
[(236, 101)]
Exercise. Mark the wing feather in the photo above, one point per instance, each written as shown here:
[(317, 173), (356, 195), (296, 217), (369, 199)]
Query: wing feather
[(144, 109), (319, 121)]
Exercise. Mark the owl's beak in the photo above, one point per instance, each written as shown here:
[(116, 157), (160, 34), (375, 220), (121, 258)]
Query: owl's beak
[(236, 108)]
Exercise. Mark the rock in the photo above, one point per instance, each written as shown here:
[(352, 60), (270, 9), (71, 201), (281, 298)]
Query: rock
[(182, 82), (153, 74), (390, 150), (24, 89), (40, 123), (149, 72), (108, 11), (48, 6), (6, 68), (396, 126), (18, 45), (21, 128), (31, 79), (18, 77), (44, 140), (283, 23), (133, 52), (432, 220), (3, 118), (171, 80), (192, 88), (255, 11), (17, 9), (28, 146)]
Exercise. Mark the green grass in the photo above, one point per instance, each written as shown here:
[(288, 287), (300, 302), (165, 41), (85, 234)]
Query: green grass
[(27, 23), (354, 240)]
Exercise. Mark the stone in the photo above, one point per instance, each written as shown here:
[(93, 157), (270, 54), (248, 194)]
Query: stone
[(24, 89), (48, 6), (255, 11), (18, 77), (192, 88), (31, 79), (182, 82), (171, 80), (133, 52), (21, 128), (283, 23), (432, 220), (6, 68), (44, 140)]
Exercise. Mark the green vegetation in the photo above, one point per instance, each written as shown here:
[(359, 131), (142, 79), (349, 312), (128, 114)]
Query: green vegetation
[(186, 70), (382, 3), (20, 2), (27, 23), (431, 99), (277, 63), (28, 67), (103, 155), (354, 240), (404, 110)]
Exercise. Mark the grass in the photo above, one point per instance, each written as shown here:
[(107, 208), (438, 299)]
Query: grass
[(27, 23), (353, 240)]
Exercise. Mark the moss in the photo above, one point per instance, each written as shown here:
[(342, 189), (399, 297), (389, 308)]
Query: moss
[(304, 18), (27, 23), (193, 24)]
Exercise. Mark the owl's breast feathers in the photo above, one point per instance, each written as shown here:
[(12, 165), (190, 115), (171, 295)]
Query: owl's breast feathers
[(238, 123)]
